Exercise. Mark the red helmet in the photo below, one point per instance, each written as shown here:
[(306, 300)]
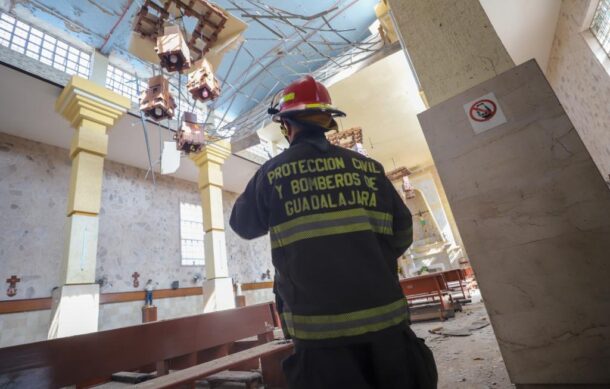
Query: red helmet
[(302, 96)]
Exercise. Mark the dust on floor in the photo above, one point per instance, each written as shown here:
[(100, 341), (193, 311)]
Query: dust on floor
[(469, 362)]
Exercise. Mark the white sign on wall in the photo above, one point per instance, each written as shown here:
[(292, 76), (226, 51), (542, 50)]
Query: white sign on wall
[(484, 113)]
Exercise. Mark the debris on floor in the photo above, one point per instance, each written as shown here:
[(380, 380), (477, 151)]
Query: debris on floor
[(469, 361), (465, 329)]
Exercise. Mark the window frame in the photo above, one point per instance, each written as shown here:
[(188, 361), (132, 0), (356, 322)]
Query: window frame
[(598, 30), (191, 217), (20, 36)]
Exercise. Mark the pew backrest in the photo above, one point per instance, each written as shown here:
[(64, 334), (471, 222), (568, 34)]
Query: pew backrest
[(78, 359)]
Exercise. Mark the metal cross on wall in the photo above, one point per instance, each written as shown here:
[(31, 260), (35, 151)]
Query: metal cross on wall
[(12, 285), (136, 281)]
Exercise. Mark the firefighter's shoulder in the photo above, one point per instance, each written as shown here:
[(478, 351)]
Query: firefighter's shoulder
[(358, 156)]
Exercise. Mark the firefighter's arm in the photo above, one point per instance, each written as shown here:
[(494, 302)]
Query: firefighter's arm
[(402, 224), (249, 218)]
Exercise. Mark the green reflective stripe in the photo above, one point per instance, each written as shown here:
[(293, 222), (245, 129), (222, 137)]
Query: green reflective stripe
[(382, 216), (347, 324), (275, 243), (350, 316), (330, 223), (308, 335)]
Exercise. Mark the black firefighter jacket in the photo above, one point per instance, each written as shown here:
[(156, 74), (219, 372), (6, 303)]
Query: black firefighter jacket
[(337, 227)]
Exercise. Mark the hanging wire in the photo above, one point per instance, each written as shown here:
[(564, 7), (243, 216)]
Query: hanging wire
[(150, 165)]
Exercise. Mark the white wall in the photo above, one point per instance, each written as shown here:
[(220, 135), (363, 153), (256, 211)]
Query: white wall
[(525, 27), (581, 80)]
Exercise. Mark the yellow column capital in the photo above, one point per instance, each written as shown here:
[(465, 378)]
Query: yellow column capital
[(216, 152), (82, 100)]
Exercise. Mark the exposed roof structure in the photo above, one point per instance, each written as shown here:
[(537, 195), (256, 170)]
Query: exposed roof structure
[(283, 41)]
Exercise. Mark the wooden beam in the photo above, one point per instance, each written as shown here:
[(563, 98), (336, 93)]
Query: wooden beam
[(39, 304), (26, 305), (257, 285)]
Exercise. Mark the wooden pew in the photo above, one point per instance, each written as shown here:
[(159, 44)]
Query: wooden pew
[(183, 343), (429, 290), (456, 278)]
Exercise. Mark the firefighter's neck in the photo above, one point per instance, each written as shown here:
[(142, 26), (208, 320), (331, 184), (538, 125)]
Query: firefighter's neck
[(295, 133)]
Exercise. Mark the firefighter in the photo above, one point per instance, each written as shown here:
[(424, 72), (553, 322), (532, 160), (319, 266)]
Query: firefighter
[(337, 227)]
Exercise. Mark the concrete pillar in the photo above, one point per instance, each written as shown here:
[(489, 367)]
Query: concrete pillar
[(451, 43), (218, 287), (91, 110), (452, 47)]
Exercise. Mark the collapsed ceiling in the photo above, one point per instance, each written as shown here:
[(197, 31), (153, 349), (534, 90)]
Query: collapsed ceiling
[(282, 41)]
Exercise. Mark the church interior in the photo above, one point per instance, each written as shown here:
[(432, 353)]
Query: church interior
[(129, 128)]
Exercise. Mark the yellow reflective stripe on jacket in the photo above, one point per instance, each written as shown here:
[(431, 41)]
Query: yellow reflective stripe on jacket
[(346, 324), (330, 223)]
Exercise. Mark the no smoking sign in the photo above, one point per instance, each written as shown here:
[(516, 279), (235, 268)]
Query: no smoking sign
[(484, 113)]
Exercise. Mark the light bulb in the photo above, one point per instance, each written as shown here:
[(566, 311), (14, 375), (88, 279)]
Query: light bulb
[(158, 112), (173, 58)]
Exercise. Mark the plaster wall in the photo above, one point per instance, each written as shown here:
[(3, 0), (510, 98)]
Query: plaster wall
[(128, 314), (139, 224), (259, 296), (24, 327), (579, 72)]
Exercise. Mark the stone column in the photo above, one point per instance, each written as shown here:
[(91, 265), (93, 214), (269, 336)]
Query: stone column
[(218, 288), (451, 44), (91, 110), (452, 47)]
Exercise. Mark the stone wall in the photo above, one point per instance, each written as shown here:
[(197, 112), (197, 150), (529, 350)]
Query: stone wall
[(581, 80), (139, 224), (139, 231), (25, 327), (129, 314)]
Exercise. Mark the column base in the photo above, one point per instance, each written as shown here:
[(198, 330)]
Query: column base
[(75, 310), (218, 295)]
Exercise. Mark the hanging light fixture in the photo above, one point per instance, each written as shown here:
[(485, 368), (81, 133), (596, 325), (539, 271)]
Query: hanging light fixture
[(190, 138), (202, 83), (156, 101), (172, 50)]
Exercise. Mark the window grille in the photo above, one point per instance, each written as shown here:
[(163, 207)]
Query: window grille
[(600, 27), (191, 235), (124, 83), (36, 44)]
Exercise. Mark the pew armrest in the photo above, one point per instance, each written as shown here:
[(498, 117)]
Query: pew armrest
[(194, 373)]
